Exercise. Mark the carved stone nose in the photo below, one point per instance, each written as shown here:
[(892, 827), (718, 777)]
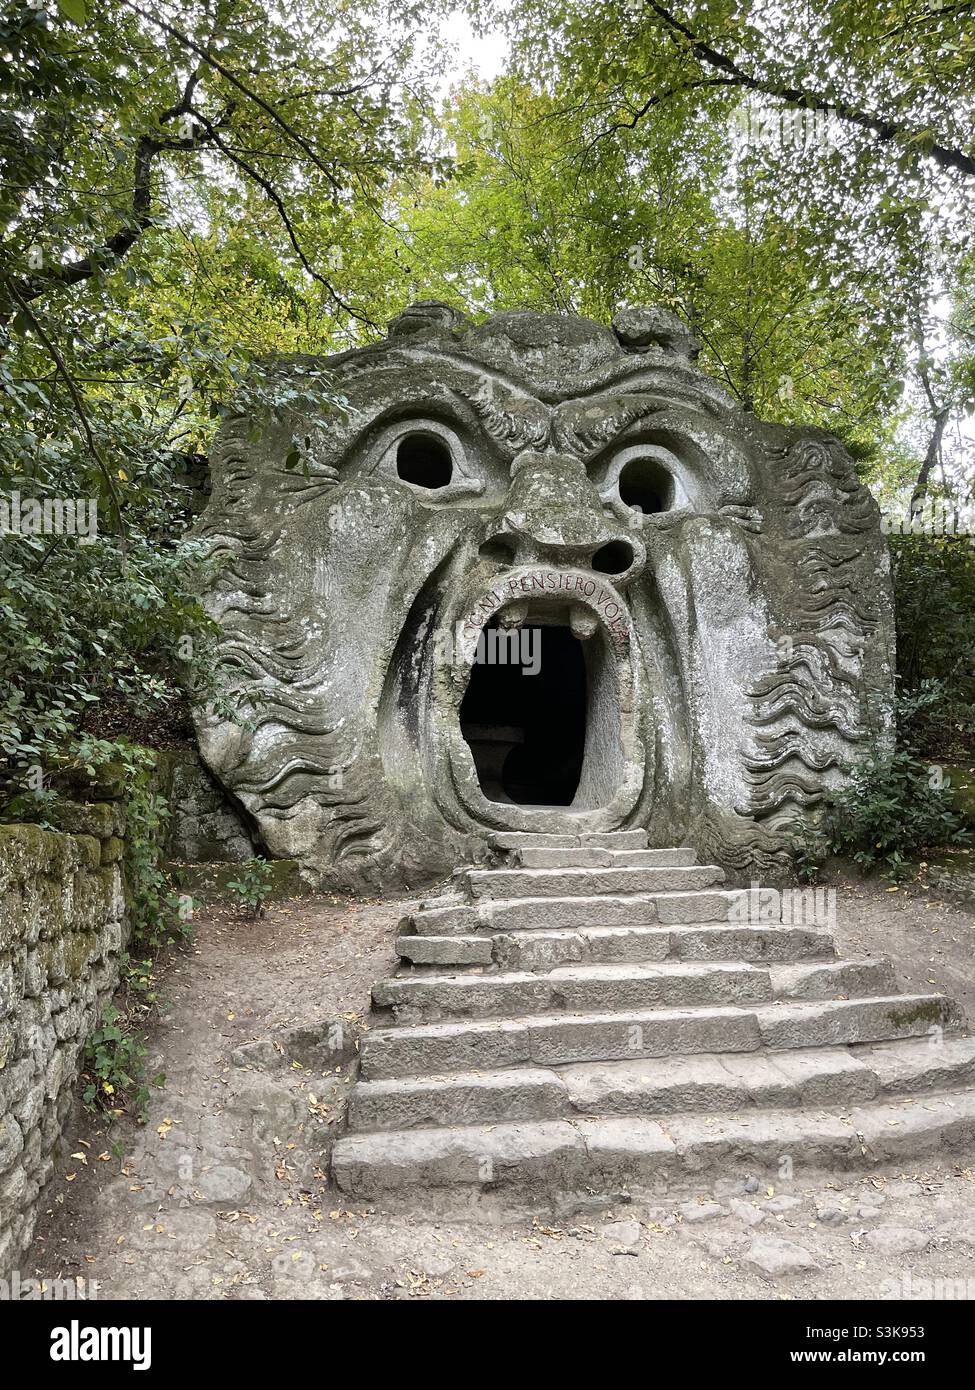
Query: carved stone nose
[(552, 515)]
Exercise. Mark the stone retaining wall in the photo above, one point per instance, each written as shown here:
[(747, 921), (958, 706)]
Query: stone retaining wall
[(62, 926)]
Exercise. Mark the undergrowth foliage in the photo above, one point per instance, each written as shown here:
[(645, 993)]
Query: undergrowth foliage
[(114, 1076), (892, 808), (934, 590), (252, 887)]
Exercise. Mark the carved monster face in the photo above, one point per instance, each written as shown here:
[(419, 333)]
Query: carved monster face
[(543, 575)]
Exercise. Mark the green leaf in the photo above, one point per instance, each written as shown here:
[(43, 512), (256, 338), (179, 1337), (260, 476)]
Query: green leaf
[(73, 10)]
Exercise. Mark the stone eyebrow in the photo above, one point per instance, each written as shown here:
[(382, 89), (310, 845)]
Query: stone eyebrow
[(512, 429), (586, 440)]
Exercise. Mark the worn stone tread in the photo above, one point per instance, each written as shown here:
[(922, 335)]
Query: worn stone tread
[(485, 1097), (621, 985), (627, 1034), (790, 1023), (902, 1067), (544, 950), (526, 839), (659, 1087), (546, 913), (591, 857), (502, 884), (583, 988), (620, 1150)]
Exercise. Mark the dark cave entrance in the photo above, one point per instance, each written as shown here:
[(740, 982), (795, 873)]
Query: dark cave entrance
[(527, 732)]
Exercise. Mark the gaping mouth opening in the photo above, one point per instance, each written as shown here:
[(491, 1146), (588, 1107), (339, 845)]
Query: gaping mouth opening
[(541, 713)]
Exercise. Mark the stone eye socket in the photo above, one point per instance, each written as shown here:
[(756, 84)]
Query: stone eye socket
[(646, 485), (424, 460)]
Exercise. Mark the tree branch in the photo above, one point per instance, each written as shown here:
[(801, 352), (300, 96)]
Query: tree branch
[(208, 58), (940, 414), (122, 241), (54, 353), (272, 194), (943, 155)]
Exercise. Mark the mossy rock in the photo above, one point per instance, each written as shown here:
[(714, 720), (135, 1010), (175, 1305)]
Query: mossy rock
[(79, 949), (44, 879), (112, 850), (110, 783), (96, 818), (208, 882)]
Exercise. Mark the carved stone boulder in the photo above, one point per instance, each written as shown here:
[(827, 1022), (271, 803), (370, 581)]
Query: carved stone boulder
[(538, 574)]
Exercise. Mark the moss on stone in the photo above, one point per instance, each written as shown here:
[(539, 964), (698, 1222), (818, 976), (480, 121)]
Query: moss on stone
[(78, 949), (89, 851), (112, 850), (926, 1011), (18, 842), (208, 882), (95, 818)]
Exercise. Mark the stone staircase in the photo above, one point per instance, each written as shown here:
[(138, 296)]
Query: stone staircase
[(592, 1014)]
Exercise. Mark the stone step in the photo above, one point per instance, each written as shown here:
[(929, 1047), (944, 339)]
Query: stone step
[(834, 979), (591, 858), (735, 1081), (550, 1039), (504, 884), (937, 1063), (836, 1022), (607, 839), (445, 950), (578, 988), (463, 1098), (543, 950), (623, 986), (548, 914), (762, 1080), (618, 1151)]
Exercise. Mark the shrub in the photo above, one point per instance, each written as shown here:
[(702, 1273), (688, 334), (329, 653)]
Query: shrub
[(253, 887), (114, 1074), (890, 810)]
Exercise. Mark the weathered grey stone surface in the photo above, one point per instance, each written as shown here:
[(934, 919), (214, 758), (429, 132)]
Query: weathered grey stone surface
[(203, 825), (62, 926), (587, 882), (524, 1093), (778, 1259), (901, 1068), (898, 1240), (725, 580)]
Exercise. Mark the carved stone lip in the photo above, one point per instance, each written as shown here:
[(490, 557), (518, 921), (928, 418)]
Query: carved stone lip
[(614, 759)]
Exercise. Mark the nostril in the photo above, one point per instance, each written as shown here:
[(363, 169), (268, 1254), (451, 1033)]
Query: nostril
[(498, 548), (615, 557)]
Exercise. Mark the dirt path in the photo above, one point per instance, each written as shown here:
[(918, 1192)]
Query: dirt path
[(223, 1193)]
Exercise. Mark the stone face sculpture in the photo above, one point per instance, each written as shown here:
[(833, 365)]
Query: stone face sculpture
[(540, 574)]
